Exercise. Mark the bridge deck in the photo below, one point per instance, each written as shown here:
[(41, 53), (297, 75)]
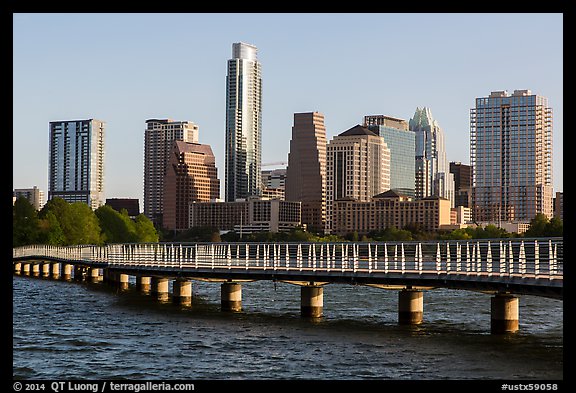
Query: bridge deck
[(533, 267)]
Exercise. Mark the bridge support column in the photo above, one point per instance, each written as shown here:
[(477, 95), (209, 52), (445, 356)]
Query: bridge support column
[(45, 269), (143, 283), (17, 267), (160, 288), (410, 307), (182, 292), (503, 314), (231, 296), (78, 273), (67, 271), (55, 270), (26, 269), (122, 281), (95, 275), (36, 269), (311, 301)]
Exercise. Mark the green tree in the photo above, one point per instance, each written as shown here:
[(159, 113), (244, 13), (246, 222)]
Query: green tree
[(353, 236), (195, 234), (538, 226), (145, 230), (60, 209), (116, 227), (299, 235), (555, 227), (50, 231), (25, 223), (491, 231), (459, 234), (83, 226)]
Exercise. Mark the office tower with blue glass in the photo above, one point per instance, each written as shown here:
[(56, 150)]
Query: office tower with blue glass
[(401, 142)]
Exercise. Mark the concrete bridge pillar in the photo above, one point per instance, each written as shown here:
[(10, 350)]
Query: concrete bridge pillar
[(122, 281), (160, 288), (36, 269), (46, 269), (311, 301), (143, 283), (231, 296), (182, 292), (410, 307), (55, 270), (504, 314), (26, 269), (95, 275), (17, 267), (67, 271)]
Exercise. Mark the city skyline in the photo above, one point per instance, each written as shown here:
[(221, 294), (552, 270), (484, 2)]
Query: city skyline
[(126, 78)]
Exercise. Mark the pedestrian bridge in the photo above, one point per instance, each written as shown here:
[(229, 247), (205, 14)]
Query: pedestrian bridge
[(505, 268)]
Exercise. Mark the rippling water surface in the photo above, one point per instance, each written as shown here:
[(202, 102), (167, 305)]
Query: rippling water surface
[(70, 330)]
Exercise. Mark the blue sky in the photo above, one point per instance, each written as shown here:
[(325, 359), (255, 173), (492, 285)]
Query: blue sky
[(127, 68)]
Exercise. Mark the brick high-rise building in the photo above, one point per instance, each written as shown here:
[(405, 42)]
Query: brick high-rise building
[(158, 139), (191, 176), (306, 172)]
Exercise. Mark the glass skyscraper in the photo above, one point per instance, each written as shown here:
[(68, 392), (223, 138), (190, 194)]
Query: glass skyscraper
[(76, 163), (433, 177), (401, 142), (511, 156), (243, 123)]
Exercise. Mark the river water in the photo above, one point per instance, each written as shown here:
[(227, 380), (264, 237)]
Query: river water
[(72, 330)]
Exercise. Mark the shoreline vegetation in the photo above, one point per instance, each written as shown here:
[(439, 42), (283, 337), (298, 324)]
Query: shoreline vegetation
[(61, 223)]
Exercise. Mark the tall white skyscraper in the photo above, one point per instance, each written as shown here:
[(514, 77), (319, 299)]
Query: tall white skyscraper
[(76, 163), (243, 123), (433, 177)]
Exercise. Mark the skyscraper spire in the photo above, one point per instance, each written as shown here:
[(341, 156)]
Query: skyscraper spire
[(433, 177)]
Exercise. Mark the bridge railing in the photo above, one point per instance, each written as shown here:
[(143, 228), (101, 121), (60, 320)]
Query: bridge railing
[(540, 258)]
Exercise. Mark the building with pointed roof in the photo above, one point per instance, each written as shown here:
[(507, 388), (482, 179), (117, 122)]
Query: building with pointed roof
[(432, 177)]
